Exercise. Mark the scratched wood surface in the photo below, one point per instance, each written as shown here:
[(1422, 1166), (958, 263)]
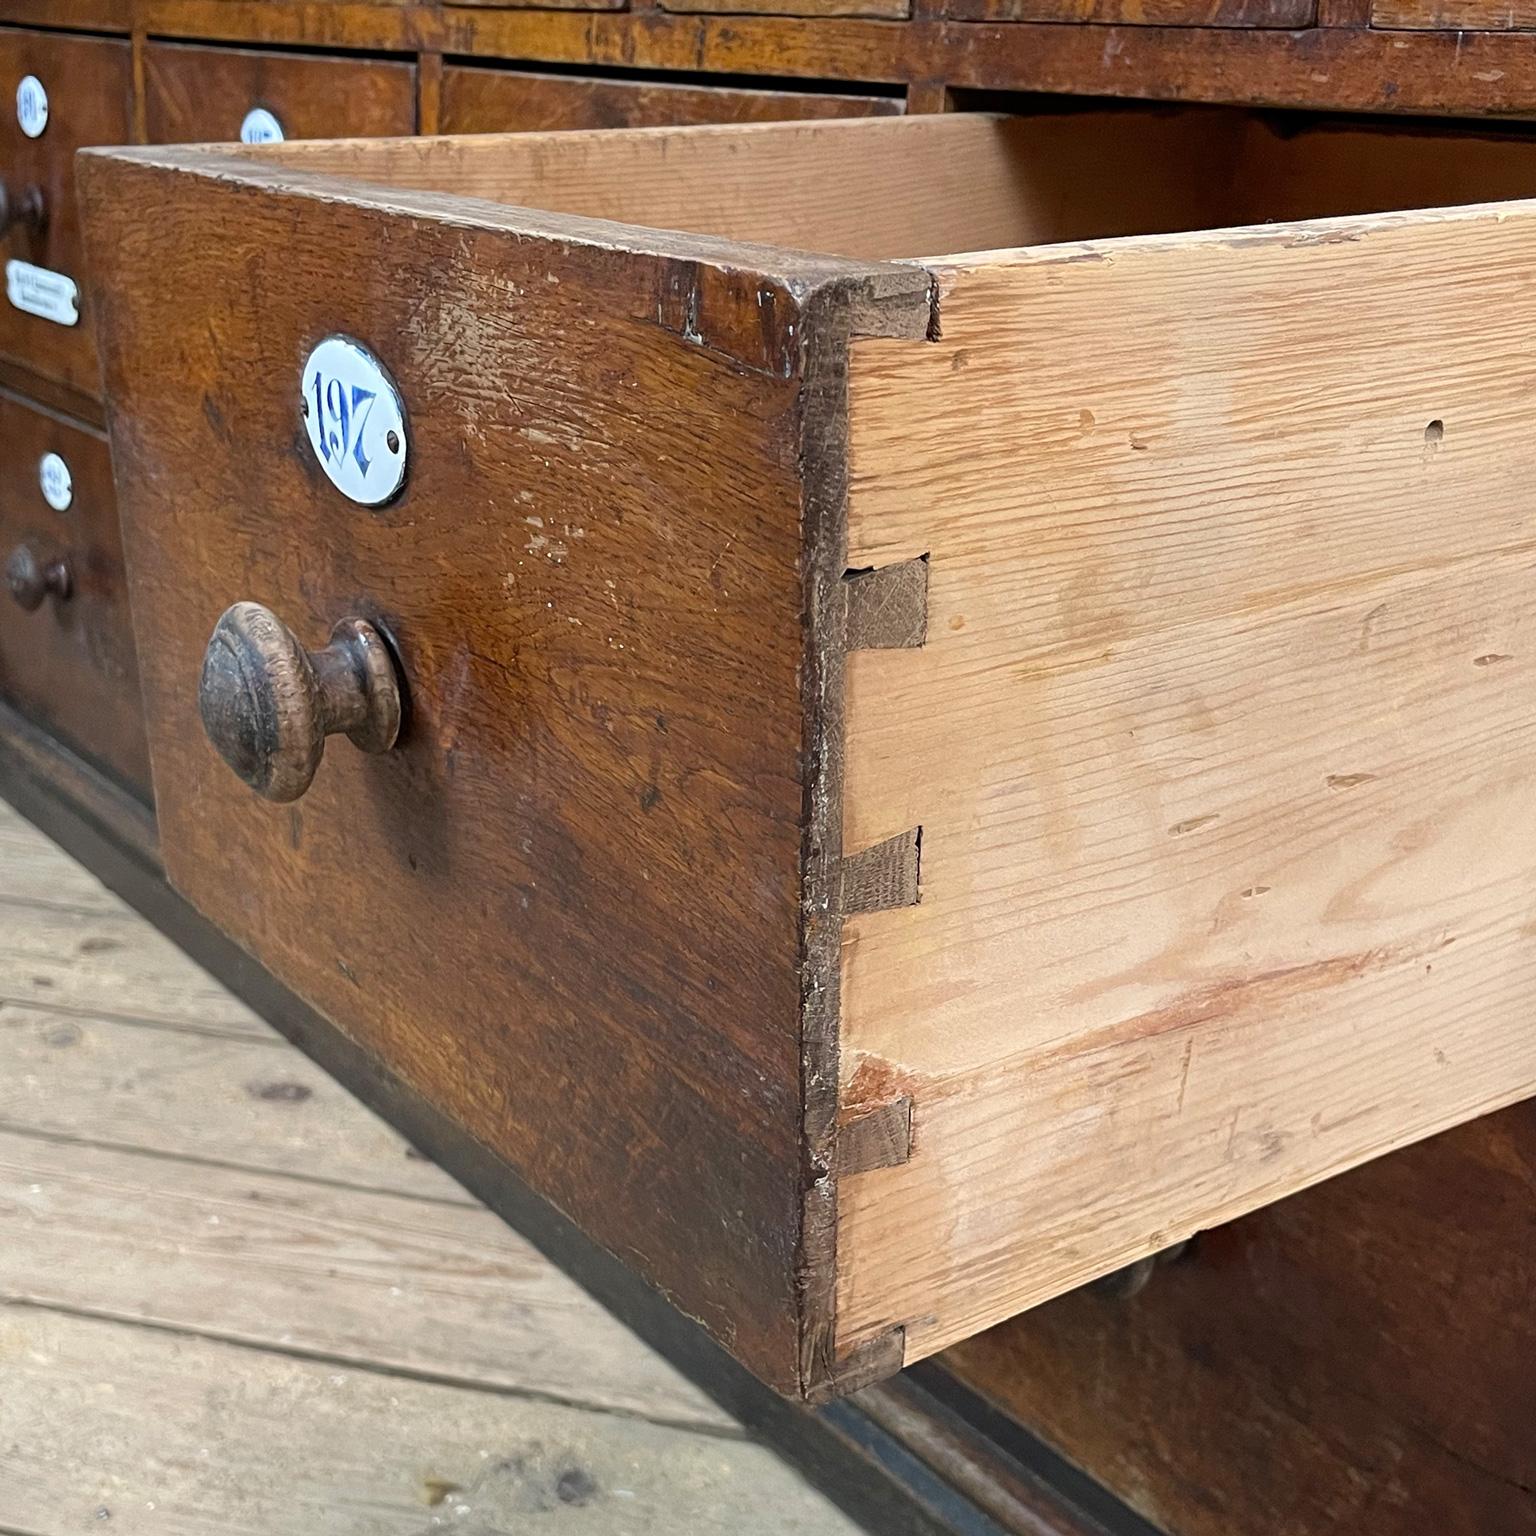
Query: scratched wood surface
[(1455, 15), (1220, 744), (232, 1300)]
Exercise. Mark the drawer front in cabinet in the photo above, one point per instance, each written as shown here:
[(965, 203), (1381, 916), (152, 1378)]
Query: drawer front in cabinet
[(199, 94), (1288, 14), (57, 93), (1455, 15), (66, 642), (888, 782), (477, 100)]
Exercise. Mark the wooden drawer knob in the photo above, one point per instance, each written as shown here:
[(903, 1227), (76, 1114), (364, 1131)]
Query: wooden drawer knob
[(268, 704), (25, 208), (31, 579)]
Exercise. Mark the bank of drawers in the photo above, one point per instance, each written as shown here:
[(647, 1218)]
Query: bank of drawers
[(206, 93), (66, 640), (69, 662)]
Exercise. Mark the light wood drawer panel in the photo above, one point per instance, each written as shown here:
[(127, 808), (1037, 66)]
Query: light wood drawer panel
[(88, 83), (69, 662), (197, 94), (479, 100), (927, 777)]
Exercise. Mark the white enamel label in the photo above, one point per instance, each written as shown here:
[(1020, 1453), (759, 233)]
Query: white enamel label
[(260, 127), (57, 482), (37, 291), (31, 106), (355, 420)]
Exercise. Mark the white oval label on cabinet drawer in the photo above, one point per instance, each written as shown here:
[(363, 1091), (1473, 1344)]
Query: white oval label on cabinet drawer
[(37, 291), (355, 420), (31, 106), (56, 481), (260, 127)]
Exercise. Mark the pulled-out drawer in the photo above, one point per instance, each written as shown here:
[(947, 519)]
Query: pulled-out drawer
[(477, 100), (66, 641), (891, 783), (57, 92), (194, 94)]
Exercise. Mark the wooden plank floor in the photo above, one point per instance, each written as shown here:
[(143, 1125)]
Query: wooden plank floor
[(232, 1301)]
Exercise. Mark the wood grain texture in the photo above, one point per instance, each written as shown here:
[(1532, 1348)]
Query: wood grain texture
[(245, 1101), (479, 100), (108, 965), (1341, 65), (550, 932), (90, 89), (1218, 743), (886, 188), (198, 94), (1340, 69), (1142, 13), (332, 1450), (885, 10), (379, 1280), (70, 665), (560, 5), (70, 15), (1455, 15), (32, 863), (378, 25), (1355, 1357)]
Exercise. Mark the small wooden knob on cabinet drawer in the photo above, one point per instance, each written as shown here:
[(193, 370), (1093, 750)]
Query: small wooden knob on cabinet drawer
[(31, 579), (25, 208), (268, 704)]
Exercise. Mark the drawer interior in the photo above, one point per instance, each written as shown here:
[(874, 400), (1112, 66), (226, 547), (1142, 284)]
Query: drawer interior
[(920, 186)]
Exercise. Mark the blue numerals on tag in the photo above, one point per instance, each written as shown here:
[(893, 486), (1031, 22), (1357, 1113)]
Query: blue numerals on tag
[(342, 413)]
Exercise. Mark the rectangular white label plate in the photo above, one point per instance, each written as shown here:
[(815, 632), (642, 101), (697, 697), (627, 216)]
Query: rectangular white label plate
[(37, 291)]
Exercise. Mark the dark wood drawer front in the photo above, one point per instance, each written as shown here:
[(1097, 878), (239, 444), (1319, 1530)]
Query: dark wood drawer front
[(498, 100), (1148, 13), (66, 644), (195, 94), (89, 86)]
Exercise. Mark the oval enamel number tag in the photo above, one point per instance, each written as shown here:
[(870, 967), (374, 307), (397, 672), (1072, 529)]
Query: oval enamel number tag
[(31, 106), (260, 127), (58, 485), (355, 420)]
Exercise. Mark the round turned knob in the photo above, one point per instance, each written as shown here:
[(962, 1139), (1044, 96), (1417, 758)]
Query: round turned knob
[(25, 208), (268, 704), (31, 579)]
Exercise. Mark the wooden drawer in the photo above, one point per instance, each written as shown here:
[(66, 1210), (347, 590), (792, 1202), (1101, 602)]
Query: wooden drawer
[(1455, 15), (88, 86), (1149, 13), (924, 778), (66, 651), (1354, 1358), (501, 100), (194, 94)]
